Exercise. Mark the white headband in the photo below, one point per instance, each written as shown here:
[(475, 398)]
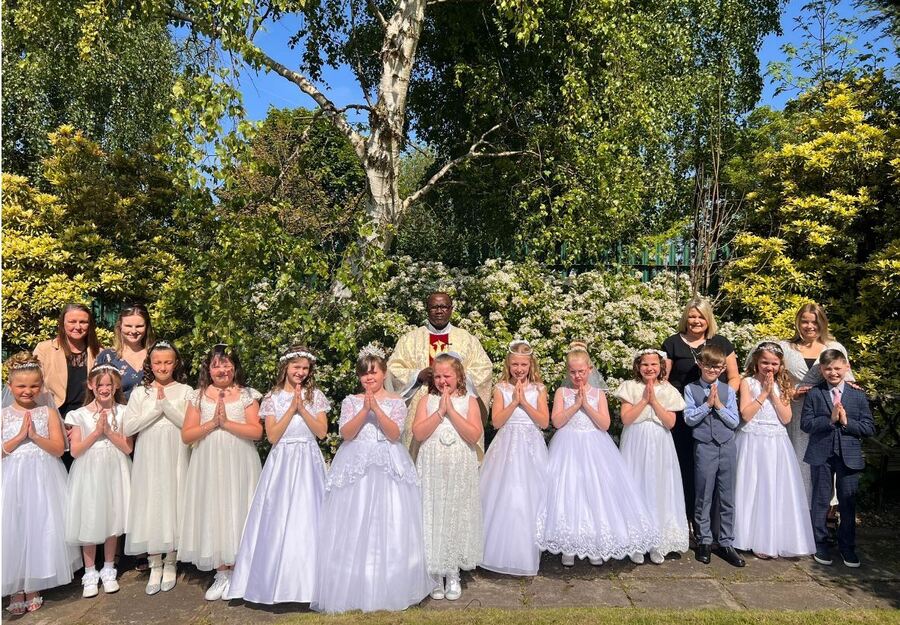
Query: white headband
[(105, 368), (515, 342), (643, 352), (453, 355), (300, 354)]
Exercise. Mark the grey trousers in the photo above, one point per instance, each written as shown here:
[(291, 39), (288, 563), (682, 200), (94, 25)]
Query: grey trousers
[(714, 473)]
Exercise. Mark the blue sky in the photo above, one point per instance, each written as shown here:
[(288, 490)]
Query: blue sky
[(264, 90)]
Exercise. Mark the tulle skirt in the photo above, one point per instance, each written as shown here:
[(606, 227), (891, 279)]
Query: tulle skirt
[(770, 513), (99, 493), (593, 507), (158, 479), (35, 554), (221, 479), (276, 562), (371, 546), (649, 453), (513, 489)]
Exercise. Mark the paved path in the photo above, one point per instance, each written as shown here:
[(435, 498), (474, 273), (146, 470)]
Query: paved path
[(791, 584)]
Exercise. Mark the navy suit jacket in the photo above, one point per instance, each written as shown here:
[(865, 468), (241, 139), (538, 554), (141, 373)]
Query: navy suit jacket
[(815, 420)]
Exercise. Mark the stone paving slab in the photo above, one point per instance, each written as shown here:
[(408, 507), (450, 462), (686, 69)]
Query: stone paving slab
[(681, 582), (679, 594), (807, 595)]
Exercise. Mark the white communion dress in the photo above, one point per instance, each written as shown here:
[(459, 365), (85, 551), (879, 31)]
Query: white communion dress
[(276, 562), (513, 489), (371, 545), (35, 554)]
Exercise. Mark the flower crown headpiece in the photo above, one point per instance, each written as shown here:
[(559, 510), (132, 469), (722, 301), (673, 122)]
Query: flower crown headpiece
[(372, 349), (516, 342), (643, 352), (298, 354), (25, 365), (105, 368), (768, 346)]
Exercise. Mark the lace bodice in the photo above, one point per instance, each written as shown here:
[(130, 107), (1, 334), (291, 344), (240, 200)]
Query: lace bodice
[(580, 421), (12, 422), (765, 421), (275, 404), (371, 448), (86, 419), (519, 416), (445, 432), (234, 410), (393, 408)]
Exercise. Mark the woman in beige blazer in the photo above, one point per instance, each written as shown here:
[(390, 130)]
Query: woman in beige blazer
[(66, 359)]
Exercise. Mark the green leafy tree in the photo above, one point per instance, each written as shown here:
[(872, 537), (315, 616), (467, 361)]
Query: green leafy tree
[(109, 77), (106, 230), (822, 194)]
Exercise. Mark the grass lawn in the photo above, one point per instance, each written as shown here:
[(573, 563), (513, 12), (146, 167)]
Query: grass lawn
[(611, 616)]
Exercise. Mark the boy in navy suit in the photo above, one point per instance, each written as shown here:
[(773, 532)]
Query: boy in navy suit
[(711, 412), (837, 417)]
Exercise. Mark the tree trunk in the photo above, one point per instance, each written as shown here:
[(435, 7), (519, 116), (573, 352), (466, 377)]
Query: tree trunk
[(387, 120)]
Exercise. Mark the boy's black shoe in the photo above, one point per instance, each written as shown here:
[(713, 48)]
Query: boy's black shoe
[(850, 558), (702, 553), (731, 556), (822, 557)]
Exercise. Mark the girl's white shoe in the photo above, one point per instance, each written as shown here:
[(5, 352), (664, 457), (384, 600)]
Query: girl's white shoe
[(454, 588), (90, 580), (169, 576), (219, 588), (656, 557), (438, 591), (637, 558), (597, 561), (568, 560), (108, 577)]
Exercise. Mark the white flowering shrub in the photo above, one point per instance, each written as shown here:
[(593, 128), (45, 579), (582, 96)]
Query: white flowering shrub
[(613, 312)]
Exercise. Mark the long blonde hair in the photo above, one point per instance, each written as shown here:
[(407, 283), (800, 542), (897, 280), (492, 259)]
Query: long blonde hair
[(522, 349), (821, 321), (781, 378)]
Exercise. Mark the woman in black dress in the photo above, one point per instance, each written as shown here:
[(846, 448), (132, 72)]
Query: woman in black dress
[(697, 328)]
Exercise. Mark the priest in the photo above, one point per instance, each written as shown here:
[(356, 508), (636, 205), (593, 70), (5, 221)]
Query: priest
[(409, 367)]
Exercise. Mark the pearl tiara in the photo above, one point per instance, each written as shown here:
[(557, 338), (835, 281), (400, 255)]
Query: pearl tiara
[(161, 345), (25, 365), (516, 342), (105, 368), (372, 349), (768, 346), (300, 354)]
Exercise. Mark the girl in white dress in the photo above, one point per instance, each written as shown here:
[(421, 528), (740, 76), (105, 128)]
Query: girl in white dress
[(276, 561), (514, 474), (222, 422), (371, 546), (156, 410), (593, 509), (35, 554), (771, 517), (649, 404), (448, 426), (100, 477)]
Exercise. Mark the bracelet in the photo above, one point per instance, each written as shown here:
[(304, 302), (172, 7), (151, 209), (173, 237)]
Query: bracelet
[(755, 399)]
